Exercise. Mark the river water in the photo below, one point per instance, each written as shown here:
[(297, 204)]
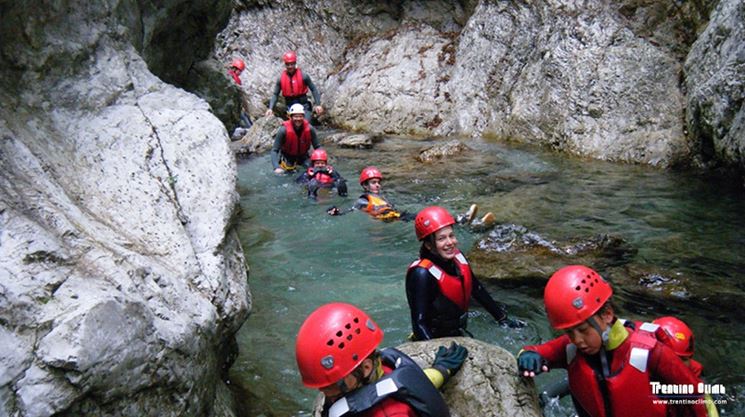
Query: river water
[(300, 258)]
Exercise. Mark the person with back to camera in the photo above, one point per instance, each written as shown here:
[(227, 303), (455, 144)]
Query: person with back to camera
[(293, 141), (294, 85), (610, 366), (337, 353), (321, 175), (440, 284)]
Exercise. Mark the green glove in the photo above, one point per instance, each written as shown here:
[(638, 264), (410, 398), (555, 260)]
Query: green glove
[(449, 360)]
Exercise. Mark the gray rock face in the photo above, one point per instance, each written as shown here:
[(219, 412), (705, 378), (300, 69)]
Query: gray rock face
[(598, 79), (715, 78), (123, 280)]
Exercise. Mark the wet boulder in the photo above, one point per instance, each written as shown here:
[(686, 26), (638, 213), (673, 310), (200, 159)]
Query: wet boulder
[(515, 255), (259, 138), (442, 150), (486, 385), (352, 141)]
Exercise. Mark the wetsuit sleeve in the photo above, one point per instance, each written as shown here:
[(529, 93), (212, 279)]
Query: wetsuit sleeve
[(666, 368), (360, 204), (313, 89), (303, 178), (421, 291), (553, 351), (482, 296), (278, 140), (314, 138), (275, 95)]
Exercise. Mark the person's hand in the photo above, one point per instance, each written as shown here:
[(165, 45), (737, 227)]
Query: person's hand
[(279, 171), (512, 323), (269, 112), (332, 211), (319, 110), (531, 363), (449, 360), (342, 188)]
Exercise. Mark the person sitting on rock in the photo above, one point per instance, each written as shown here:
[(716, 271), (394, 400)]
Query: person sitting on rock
[(440, 284), (373, 203), (610, 366), (321, 175), (293, 141), (337, 353), (294, 85)]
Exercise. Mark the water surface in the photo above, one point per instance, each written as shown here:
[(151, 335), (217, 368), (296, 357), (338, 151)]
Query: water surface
[(300, 258)]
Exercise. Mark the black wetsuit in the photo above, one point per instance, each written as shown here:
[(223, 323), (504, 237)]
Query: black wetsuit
[(314, 185), (432, 314)]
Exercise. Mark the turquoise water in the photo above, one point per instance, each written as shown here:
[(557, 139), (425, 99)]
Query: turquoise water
[(300, 258)]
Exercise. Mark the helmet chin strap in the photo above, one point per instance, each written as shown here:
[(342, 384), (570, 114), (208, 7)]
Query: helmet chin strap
[(604, 335)]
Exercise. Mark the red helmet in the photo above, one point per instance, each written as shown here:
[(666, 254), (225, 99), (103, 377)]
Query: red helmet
[(370, 173), (680, 338), (289, 57), (319, 155), (430, 220), (238, 64), (573, 294), (333, 341)]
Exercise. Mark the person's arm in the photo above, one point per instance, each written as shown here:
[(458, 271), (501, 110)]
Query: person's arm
[(497, 310), (273, 99), (313, 89), (278, 140), (421, 291), (314, 138), (667, 368)]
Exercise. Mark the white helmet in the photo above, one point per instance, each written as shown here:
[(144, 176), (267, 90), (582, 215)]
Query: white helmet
[(296, 108)]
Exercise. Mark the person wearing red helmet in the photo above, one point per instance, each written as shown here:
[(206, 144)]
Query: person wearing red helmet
[(294, 85), (611, 367), (440, 284), (375, 204), (236, 67), (321, 175), (679, 337), (293, 141), (337, 353)]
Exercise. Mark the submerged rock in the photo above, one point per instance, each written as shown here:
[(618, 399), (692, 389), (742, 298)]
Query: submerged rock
[(442, 150), (353, 140), (513, 254)]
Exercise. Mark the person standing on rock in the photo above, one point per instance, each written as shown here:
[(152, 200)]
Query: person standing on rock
[(294, 85), (612, 368), (236, 67), (337, 353), (440, 284), (293, 141)]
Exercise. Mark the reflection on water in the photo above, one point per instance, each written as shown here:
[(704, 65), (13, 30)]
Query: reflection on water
[(301, 258)]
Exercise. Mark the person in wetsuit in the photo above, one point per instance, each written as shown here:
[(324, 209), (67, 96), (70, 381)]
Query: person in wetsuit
[(294, 85), (321, 175), (337, 353), (440, 284), (292, 142)]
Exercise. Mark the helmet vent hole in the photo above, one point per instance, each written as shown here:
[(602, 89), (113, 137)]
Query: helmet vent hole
[(348, 326), (587, 290), (592, 284), (356, 320), (339, 333), (577, 288), (330, 342), (341, 345), (349, 337), (357, 330), (584, 282)]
